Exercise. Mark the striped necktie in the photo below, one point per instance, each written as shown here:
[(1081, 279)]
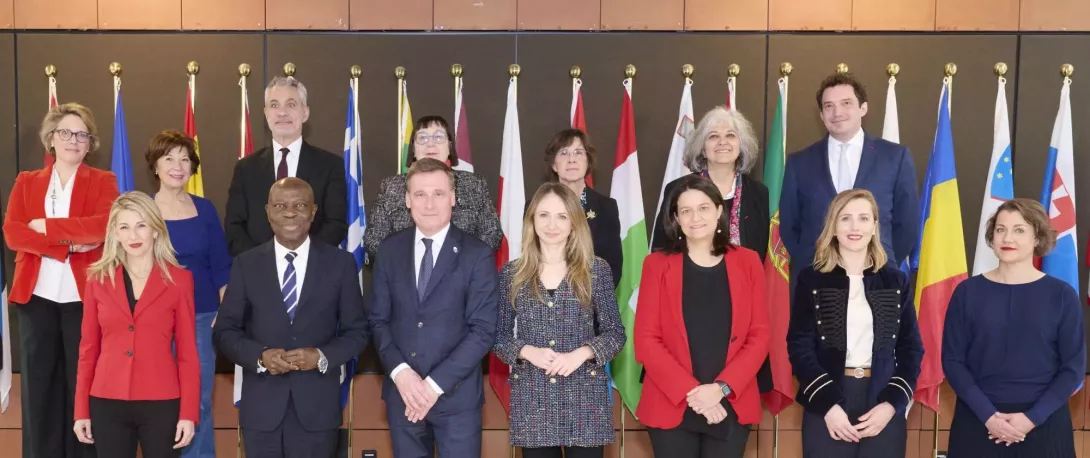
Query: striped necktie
[(287, 288)]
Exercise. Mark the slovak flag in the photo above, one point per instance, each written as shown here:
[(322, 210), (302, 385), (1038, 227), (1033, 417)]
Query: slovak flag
[(1058, 195)]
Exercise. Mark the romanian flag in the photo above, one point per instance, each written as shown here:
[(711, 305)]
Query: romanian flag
[(404, 127), (940, 253), (196, 183)]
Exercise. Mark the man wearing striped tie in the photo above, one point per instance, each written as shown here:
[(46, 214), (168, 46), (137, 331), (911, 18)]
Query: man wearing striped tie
[(290, 331)]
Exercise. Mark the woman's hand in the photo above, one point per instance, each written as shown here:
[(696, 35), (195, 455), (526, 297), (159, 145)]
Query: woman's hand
[(840, 427), (183, 435), (566, 363), (716, 414), (704, 397), (37, 225), (541, 358), (83, 431), (1001, 430), (875, 421)]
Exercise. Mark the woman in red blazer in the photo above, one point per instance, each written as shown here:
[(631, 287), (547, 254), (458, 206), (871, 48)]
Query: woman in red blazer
[(55, 223), (701, 332), (138, 313)]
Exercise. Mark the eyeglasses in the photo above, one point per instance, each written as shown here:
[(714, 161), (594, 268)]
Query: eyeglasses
[(65, 134), (438, 138), (575, 152)]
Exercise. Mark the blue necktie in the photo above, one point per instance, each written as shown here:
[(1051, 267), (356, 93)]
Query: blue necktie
[(426, 265), (287, 289)]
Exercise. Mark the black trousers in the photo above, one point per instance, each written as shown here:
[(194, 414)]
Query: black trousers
[(117, 426), (683, 443), (290, 440), (817, 443), (49, 350), (567, 452)]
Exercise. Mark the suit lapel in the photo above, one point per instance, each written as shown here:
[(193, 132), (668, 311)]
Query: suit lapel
[(118, 294), (39, 186), (674, 278), (155, 287), (866, 161), (821, 149), (303, 169), (448, 257), (269, 270), (594, 207), (407, 265), (738, 319), (311, 283), (79, 193)]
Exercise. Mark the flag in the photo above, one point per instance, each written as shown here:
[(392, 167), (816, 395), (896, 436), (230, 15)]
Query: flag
[(1000, 182), (891, 129), (628, 192), (511, 204), (675, 166), (5, 343), (939, 256), (732, 82), (48, 158), (578, 118), (121, 161), (357, 226), (404, 127), (461, 129), (1058, 196), (195, 185), (777, 264), (245, 138)]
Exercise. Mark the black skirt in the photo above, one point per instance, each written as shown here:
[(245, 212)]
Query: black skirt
[(1052, 439)]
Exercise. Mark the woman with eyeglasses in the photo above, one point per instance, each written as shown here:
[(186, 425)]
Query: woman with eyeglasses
[(55, 223), (474, 210)]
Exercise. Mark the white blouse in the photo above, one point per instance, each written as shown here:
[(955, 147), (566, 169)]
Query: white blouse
[(860, 326), (55, 280)]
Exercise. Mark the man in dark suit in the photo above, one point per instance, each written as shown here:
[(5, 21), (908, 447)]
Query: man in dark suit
[(434, 318), (847, 158), (291, 384), (244, 223)]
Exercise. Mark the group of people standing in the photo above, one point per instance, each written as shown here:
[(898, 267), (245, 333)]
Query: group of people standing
[(122, 300)]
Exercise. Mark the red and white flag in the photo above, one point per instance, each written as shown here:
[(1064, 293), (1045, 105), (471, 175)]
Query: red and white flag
[(578, 118), (245, 138), (461, 129), (47, 160)]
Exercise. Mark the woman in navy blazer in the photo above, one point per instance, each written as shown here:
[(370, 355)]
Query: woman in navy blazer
[(138, 314), (853, 340), (201, 246)]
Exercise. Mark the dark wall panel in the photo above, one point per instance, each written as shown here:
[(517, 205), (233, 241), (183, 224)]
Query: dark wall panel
[(545, 93), (921, 58), (8, 169)]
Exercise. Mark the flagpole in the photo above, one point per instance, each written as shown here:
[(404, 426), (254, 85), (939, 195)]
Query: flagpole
[(456, 71), (733, 70), (243, 73), (115, 70), (785, 73), (399, 72)]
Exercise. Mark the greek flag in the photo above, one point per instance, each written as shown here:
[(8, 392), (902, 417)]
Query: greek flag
[(357, 217)]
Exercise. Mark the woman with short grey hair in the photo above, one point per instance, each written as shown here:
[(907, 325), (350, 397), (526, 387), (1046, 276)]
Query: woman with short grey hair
[(723, 148)]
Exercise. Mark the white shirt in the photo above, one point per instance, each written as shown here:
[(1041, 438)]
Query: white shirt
[(302, 254), (293, 156), (55, 279), (855, 154), (860, 326), (418, 258)]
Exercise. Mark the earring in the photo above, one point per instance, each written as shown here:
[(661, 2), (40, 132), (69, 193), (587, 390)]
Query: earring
[(718, 231)]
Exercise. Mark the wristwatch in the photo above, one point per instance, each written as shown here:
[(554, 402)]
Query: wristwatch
[(723, 386), (323, 363)]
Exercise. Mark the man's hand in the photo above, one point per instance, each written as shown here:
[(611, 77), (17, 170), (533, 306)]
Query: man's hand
[(406, 382), (273, 360), (302, 359), (425, 390)]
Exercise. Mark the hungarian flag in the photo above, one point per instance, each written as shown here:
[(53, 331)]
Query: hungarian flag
[(461, 129), (195, 185), (779, 395), (404, 127), (578, 118), (511, 202), (245, 138), (48, 158), (628, 192)]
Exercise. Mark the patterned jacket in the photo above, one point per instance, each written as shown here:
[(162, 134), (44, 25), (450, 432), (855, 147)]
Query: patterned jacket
[(474, 211), (560, 411)]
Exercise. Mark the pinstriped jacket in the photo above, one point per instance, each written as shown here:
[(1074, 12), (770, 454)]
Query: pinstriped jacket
[(474, 211), (817, 337)]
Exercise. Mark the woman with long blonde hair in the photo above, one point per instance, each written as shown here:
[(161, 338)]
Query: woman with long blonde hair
[(138, 311), (853, 340), (559, 325)]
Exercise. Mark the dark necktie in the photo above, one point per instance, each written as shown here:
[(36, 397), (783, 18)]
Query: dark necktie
[(288, 288), (426, 266), (282, 169)]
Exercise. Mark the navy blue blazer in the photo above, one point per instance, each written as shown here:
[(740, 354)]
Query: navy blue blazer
[(446, 335), (885, 169), (817, 337), (330, 317)]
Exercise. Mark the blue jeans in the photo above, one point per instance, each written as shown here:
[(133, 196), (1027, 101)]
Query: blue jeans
[(204, 441)]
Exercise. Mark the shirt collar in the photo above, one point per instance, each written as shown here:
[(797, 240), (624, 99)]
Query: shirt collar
[(437, 239), (293, 148), (300, 253), (856, 142)]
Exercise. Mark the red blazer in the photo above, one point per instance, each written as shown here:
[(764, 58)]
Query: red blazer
[(94, 193), (662, 343), (128, 356)]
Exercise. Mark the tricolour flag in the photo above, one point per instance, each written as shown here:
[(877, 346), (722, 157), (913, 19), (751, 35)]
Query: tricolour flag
[(121, 161), (578, 117), (1000, 183), (404, 126), (245, 138), (891, 129), (48, 159), (777, 264), (1058, 196), (195, 185), (675, 165), (940, 253), (628, 192), (461, 129), (5, 343), (511, 204)]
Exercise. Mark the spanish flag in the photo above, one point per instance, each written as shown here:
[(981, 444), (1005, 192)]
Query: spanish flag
[(195, 185), (939, 257)]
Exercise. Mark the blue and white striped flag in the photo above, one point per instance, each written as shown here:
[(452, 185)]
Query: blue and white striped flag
[(5, 343), (357, 217)]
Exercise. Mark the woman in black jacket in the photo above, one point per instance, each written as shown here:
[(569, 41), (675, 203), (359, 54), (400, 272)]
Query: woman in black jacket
[(853, 341)]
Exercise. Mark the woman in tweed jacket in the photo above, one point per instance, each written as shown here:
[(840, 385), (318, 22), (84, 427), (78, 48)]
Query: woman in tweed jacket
[(474, 210), (558, 327)]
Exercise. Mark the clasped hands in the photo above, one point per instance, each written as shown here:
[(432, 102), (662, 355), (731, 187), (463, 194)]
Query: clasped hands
[(1008, 428), (870, 424), (279, 361), (417, 394), (705, 400)]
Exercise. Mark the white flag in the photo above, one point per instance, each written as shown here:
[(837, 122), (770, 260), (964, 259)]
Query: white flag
[(512, 187), (1000, 183), (675, 167), (891, 131)]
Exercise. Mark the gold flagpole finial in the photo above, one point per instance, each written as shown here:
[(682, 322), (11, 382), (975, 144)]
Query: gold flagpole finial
[(575, 72), (893, 70), (456, 70), (842, 68), (687, 70), (1000, 69), (115, 69), (399, 72), (950, 69), (51, 70), (514, 70), (289, 70), (1067, 70), (355, 71), (630, 71), (734, 70), (244, 70), (786, 69), (192, 68)]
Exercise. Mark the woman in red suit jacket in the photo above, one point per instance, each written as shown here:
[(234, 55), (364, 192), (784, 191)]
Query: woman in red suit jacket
[(55, 223), (138, 313), (701, 332)]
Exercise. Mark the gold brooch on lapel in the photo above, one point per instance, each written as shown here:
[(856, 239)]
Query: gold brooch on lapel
[(591, 214)]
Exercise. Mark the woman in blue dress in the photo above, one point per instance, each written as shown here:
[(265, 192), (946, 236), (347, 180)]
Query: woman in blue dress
[(195, 231)]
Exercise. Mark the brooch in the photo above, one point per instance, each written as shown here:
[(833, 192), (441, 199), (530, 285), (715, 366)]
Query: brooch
[(591, 214)]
